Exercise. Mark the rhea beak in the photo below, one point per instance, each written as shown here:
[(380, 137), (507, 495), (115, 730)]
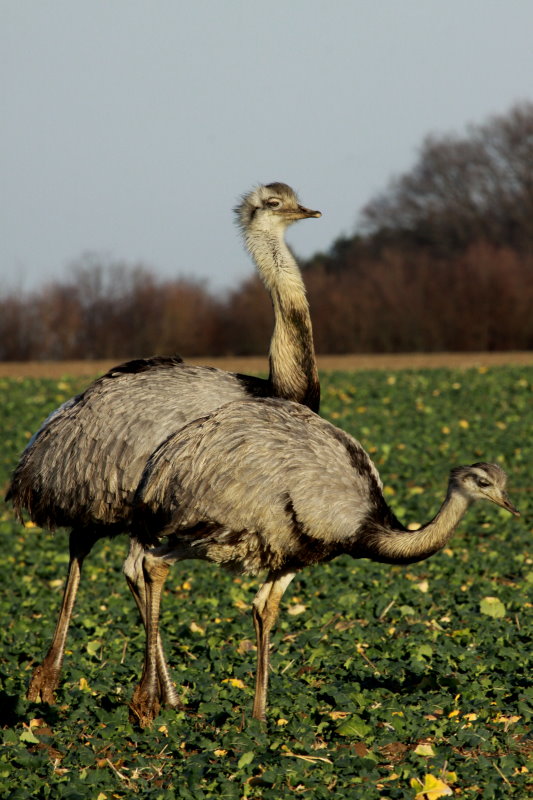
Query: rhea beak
[(300, 212), (307, 212), (504, 502)]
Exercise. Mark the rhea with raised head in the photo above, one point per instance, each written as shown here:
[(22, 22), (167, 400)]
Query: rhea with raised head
[(82, 467)]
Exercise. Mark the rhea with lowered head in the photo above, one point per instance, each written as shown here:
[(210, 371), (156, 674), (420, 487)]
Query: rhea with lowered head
[(82, 467), (266, 485)]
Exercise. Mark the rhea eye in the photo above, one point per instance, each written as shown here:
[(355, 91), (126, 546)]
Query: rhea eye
[(273, 202), (483, 482)]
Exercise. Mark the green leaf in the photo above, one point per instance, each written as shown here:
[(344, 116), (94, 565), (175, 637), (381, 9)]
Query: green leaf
[(94, 647), (423, 651), (354, 726), (29, 737), (492, 607), (246, 759)]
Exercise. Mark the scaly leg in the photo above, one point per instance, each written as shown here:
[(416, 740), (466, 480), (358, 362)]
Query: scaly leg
[(133, 570), (265, 612), (45, 677), (144, 705)]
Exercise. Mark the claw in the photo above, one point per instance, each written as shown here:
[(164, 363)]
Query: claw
[(42, 686), (143, 710)]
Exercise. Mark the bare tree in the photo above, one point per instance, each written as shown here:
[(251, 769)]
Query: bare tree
[(463, 188)]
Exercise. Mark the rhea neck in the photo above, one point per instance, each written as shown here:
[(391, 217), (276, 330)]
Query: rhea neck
[(293, 369), (396, 545)]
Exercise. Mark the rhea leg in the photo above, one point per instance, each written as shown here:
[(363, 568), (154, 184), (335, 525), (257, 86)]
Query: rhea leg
[(45, 677), (133, 570), (144, 705), (265, 612)]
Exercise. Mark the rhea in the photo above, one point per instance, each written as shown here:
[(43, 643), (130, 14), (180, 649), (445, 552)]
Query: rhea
[(269, 485), (83, 465)]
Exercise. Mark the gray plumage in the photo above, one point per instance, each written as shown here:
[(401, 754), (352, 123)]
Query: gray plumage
[(268, 485), (82, 467)]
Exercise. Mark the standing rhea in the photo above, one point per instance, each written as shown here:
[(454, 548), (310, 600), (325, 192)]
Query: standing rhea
[(82, 467), (268, 485)]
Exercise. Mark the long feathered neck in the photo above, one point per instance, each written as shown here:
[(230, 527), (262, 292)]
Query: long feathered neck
[(396, 545), (293, 369)]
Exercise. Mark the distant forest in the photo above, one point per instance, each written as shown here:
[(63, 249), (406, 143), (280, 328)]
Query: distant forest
[(442, 261)]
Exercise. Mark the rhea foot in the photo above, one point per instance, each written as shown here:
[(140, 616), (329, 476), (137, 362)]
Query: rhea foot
[(143, 708), (43, 684)]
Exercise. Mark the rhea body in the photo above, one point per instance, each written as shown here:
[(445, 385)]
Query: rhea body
[(268, 485), (82, 467)]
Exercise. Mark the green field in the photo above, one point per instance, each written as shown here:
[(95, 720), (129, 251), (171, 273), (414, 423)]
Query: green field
[(387, 682)]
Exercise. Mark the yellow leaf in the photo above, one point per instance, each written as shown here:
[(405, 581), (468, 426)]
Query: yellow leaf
[(423, 586), (431, 789), (454, 713), (296, 609), (282, 722), (339, 714), (234, 682), (220, 752), (84, 686), (506, 721), (463, 423), (196, 628), (424, 750), (470, 717)]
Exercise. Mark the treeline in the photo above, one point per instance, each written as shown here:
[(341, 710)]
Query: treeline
[(443, 260)]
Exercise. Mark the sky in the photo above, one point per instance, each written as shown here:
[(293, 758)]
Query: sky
[(131, 127)]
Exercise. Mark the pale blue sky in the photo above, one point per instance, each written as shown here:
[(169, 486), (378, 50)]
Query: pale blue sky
[(130, 127)]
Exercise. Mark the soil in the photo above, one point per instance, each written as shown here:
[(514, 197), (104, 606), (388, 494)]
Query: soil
[(255, 364)]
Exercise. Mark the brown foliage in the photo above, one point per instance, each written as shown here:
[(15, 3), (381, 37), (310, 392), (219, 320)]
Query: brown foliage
[(415, 302), (395, 301)]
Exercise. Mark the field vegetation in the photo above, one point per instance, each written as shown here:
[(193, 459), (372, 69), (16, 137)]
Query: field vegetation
[(387, 682)]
